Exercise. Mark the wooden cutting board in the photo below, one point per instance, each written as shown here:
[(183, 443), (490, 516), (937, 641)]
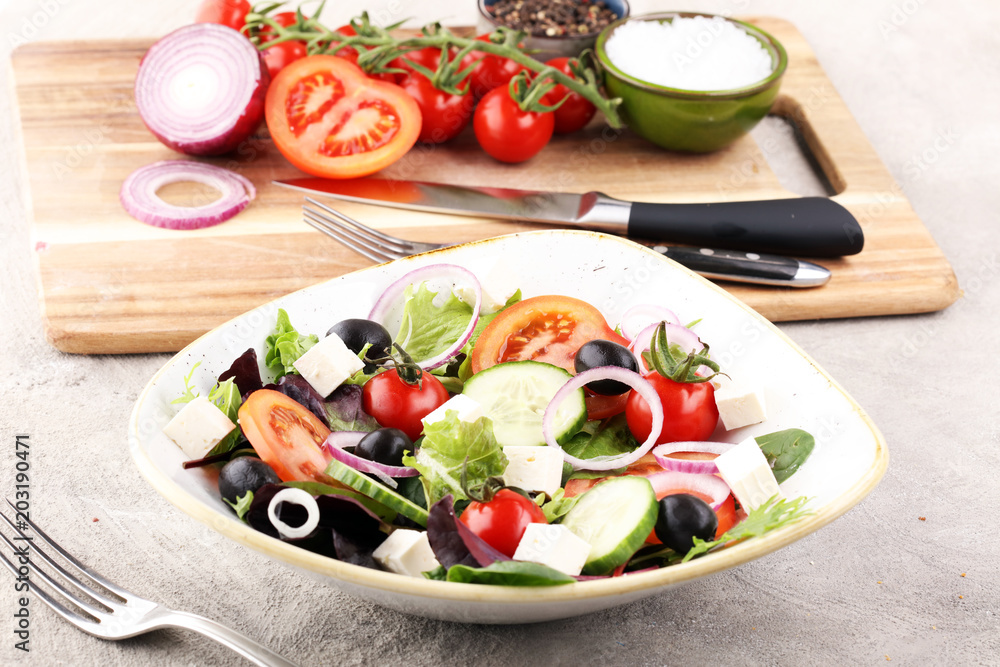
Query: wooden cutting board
[(110, 284)]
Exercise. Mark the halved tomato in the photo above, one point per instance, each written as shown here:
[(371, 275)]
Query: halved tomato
[(549, 329), (330, 120), (285, 434)]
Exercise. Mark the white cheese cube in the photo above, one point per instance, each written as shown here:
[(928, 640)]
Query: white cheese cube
[(198, 427), (533, 468), (739, 405), (406, 552), (745, 469), (327, 364), (554, 545), (468, 409), (498, 285)]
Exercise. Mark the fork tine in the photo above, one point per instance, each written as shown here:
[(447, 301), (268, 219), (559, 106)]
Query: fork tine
[(336, 237), (351, 240), (402, 243), (69, 578), (399, 246), (120, 592), (79, 620)]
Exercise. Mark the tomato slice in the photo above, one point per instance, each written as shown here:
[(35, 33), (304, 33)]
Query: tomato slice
[(285, 434), (330, 120), (549, 329)]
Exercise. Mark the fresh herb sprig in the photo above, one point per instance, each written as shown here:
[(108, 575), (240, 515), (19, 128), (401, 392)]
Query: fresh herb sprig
[(771, 515)]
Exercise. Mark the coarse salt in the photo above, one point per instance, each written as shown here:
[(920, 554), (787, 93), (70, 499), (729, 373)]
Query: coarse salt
[(698, 53)]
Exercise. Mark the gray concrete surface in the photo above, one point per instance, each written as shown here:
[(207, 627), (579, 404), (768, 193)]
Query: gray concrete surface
[(879, 584)]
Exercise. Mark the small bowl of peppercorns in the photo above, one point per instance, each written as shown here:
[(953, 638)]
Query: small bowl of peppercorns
[(555, 28)]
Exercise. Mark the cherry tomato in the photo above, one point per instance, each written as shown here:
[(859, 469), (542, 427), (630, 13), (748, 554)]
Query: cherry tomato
[(350, 54), (285, 434), (689, 410), (549, 329), (330, 120), (429, 57), (501, 522), (576, 111), (280, 56), (395, 404), (232, 13), (507, 133), (491, 71), (443, 115)]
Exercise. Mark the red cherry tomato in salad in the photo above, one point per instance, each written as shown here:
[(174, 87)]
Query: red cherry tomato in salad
[(443, 115), (576, 111), (395, 404), (491, 71), (280, 56), (549, 329), (232, 13), (285, 434), (501, 522), (689, 410), (507, 133), (350, 54)]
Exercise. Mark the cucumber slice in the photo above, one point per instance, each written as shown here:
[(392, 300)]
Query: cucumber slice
[(514, 396), (365, 485), (615, 517)]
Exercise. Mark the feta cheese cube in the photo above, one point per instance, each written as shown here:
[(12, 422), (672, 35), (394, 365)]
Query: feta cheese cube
[(554, 545), (327, 364), (498, 285), (468, 409), (739, 405), (198, 427), (406, 552), (533, 468), (746, 470)]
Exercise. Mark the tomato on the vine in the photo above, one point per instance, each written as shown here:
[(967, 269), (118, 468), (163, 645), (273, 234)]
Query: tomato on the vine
[(396, 404), (443, 115), (285, 434), (505, 132), (350, 54), (501, 521), (576, 111), (280, 56), (491, 71), (689, 410), (231, 13)]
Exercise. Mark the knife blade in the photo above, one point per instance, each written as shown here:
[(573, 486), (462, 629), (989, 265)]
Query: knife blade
[(812, 226)]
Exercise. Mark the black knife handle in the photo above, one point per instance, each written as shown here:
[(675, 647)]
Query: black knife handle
[(811, 226), (748, 267)]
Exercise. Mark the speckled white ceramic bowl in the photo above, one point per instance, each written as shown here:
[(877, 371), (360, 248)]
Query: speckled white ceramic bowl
[(611, 273)]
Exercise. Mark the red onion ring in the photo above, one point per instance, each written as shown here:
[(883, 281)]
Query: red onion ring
[(338, 440), (676, 335), (295, 497), (637, 318), (138, 194), (711, 486), (632, 379), (391, 296), (662, 456)]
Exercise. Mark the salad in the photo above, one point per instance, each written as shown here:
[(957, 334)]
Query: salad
[(468, 434)]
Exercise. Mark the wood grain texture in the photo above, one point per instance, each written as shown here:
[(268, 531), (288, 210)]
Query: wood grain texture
[(110, 284)]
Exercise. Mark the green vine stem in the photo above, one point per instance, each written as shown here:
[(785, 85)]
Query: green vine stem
[(377, 48)]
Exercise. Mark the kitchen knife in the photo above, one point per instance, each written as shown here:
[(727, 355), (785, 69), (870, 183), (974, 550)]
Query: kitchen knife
[(812, 226)]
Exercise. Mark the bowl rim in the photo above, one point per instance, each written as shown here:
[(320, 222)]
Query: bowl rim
[(426, 589), (682, 93), (481, 5)]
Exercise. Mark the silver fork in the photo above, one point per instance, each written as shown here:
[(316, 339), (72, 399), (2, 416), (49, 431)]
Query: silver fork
[(121, 614)]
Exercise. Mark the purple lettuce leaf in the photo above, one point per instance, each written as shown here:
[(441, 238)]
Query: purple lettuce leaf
[(453, 542), (245, 373)]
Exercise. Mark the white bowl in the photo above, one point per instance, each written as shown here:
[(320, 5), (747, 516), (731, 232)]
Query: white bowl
[(610, 273)]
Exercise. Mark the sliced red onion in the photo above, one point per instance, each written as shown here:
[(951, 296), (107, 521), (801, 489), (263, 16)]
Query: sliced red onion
[(676, 335), (338, 440), (393, 294), (632, 379), (710, 486), (663, 452), (637, 318), (295, 497), (201, 89), (138, 194)]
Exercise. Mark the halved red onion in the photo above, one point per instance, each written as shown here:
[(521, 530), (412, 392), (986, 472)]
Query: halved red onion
[(201, 89), (138, 194), (637, 318), (662, 455), (632, 379), (391, 297), (336, 443), (295, 497), (710, 486)]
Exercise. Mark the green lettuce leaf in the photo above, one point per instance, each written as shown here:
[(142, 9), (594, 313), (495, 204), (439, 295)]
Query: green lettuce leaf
[(610, 437), (226, 396), (786, 451), (242, 504), (509, 573), (286, 345), (446, 446), (559, 506)]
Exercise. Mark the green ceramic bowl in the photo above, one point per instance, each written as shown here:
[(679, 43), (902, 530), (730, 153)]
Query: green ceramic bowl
[(690, 120)]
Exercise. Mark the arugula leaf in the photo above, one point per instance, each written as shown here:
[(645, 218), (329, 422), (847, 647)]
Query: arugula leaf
[(286, 345), (610, 437), (226, 396), (242, 504), (188, 394), (559, 506), (773, 514), (786, 451), (509, 573), (446, 446)]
